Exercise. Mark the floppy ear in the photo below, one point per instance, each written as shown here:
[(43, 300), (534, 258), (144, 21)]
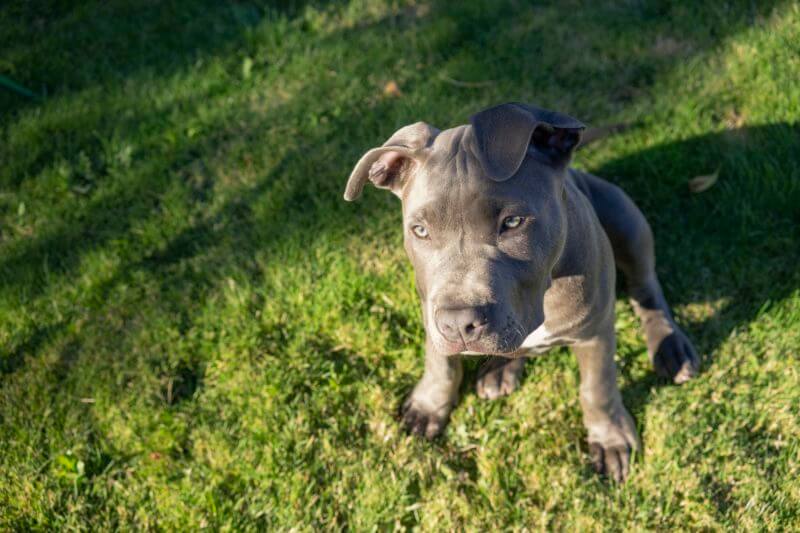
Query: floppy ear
[(506, 133), (389, 166)]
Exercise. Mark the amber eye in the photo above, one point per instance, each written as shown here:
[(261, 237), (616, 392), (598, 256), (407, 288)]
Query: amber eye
[(512, 222), (420, 231)]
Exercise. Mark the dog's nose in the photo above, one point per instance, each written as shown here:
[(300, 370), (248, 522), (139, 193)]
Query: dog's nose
[(462, 323)]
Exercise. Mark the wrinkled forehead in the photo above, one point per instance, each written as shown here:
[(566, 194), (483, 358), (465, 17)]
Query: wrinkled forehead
[(452, 179), (454, 152), (451, 169)]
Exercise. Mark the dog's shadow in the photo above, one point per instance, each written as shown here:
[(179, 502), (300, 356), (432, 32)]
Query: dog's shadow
[(724, 254)]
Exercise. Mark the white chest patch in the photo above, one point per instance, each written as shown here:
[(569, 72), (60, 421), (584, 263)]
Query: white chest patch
[(538, 341)]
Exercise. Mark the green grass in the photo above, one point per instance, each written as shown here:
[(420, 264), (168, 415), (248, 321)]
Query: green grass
[(196, 331)]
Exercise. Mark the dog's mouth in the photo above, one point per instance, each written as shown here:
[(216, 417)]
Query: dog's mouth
[(482, 350), (493, 353), (506, 342)]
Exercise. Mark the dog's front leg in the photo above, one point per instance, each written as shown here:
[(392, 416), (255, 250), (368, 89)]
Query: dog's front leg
[(612, 432), (427, 409)]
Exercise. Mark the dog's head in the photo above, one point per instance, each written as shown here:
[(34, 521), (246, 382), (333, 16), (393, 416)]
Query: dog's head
[(483, 219)]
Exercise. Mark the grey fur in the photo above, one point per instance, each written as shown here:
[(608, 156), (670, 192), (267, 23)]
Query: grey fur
[(514, 292)]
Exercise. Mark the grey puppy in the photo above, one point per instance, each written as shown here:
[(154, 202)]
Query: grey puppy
[(514, 252)]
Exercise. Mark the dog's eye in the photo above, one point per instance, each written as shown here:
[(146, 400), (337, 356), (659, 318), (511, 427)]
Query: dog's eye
[(512, 222), (420, 231)]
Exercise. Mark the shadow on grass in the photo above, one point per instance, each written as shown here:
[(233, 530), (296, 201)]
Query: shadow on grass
[(57, 47), (725, 255)]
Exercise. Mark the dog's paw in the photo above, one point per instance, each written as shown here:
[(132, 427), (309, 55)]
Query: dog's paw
[(499, 377), (611, 461), (674, 357), (611, 445), (423, 419)]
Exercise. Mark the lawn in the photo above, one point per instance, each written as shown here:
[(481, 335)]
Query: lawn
[(197, 331)]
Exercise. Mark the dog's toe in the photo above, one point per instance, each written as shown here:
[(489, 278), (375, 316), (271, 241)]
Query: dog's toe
[(612, 462), (499, 377), (418, 421), (612, 443)]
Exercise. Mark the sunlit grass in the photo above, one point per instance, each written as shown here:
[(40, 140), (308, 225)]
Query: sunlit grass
[(196, 331)]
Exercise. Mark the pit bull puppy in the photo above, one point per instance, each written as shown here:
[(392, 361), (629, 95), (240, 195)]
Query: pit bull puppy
[(514, 253)]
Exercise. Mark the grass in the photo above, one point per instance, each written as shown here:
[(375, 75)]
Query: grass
[(196, 331)]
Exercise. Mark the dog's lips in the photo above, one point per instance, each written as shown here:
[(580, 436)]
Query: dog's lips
[(484, 348), (472, 348), (488, 346), (513, 354)]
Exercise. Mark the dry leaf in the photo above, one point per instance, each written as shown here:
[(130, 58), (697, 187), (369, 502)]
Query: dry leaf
[(734, 119), (392, 89), (699, 184)]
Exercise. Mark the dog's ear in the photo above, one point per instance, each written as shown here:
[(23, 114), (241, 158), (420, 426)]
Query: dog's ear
[(390, 165), (504, 134)]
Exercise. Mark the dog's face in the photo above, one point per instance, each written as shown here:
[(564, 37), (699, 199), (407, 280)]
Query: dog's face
[(483, 220)]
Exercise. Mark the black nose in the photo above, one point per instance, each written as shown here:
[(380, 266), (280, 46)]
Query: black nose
[(462, 323)]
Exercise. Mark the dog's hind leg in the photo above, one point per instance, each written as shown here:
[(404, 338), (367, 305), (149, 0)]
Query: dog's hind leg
[(671, 352)]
